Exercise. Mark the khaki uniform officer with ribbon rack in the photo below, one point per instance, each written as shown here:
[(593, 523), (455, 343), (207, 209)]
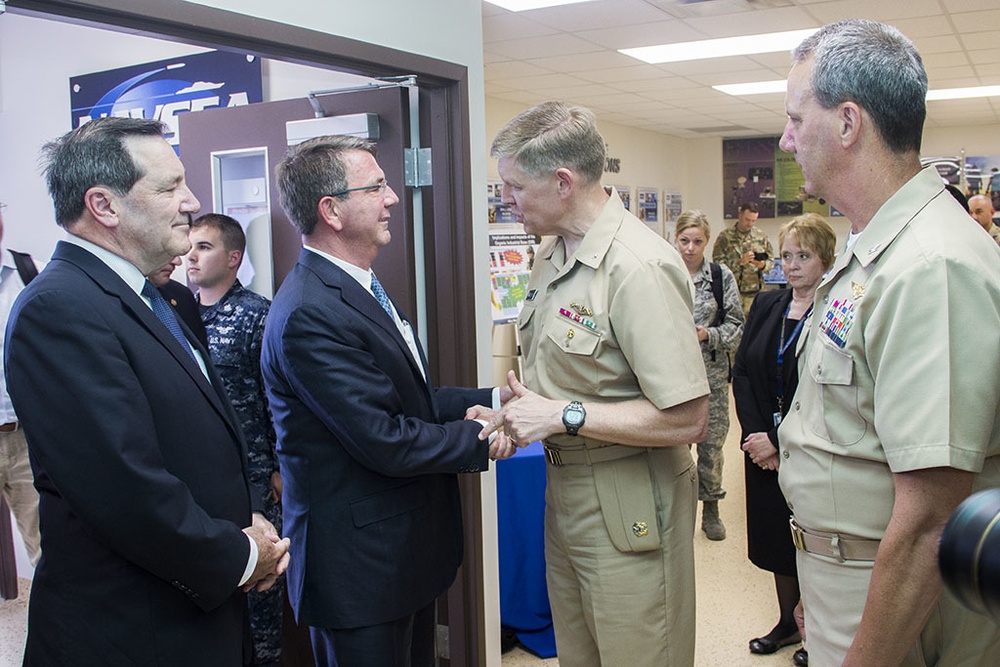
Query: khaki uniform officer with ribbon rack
[(614, 387)]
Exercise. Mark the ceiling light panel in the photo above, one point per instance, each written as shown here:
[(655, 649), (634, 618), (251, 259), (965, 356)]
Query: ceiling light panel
[(719, 48)]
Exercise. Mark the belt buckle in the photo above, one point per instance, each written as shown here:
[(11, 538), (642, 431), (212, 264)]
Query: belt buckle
[(553, 457), (797, 534)]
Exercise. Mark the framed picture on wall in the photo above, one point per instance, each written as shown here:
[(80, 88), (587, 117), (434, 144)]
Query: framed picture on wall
[(648, 206)]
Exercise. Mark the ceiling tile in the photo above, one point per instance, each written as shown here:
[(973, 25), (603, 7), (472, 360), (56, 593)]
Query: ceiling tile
[(512, 26)]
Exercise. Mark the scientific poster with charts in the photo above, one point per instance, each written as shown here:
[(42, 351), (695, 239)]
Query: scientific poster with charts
[(512, 257)]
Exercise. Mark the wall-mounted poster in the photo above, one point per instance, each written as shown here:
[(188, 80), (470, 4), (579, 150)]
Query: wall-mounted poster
[(748, 175), (625, 194), (673, 206), (512, 257), (647, 208), (757, 171), (167, 88), (499, 213)]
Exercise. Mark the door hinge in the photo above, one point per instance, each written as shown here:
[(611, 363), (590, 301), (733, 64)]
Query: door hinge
[(417, 167), (443, 649)]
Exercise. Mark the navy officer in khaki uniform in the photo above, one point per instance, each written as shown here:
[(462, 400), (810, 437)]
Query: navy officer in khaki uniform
[(895, 419), (616, 388)]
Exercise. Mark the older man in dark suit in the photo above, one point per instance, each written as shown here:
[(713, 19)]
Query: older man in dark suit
[(368, 447), (147, 535)]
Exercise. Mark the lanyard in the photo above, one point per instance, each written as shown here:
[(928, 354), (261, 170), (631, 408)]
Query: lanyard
[(783, 346)]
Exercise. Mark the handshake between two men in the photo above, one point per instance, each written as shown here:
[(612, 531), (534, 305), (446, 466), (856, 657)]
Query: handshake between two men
[(523, 418)]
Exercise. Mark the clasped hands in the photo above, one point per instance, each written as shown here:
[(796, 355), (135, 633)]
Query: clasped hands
[(272, 554), (523, 418), (761, 451)]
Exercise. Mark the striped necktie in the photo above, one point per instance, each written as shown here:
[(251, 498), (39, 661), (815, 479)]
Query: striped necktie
[(382, 297), (165, 314)]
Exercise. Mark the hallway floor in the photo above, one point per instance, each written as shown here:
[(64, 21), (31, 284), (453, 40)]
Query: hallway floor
[(736, 601)]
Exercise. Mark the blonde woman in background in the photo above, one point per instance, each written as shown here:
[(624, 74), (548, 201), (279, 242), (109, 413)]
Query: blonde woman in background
[(718, 318)]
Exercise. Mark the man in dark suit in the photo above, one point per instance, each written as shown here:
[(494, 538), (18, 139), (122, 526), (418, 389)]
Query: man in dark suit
[(180, 297), (147, 534), (368, 447)]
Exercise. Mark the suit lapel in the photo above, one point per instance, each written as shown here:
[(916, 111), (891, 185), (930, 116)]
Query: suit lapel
[(354, 295), (112, 284)]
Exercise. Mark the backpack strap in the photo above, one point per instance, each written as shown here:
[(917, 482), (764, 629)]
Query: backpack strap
[(720, 313), (25, 266)]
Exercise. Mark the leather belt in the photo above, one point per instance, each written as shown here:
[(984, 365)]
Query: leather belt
[(833, 545), (9, 427), (561, 456)]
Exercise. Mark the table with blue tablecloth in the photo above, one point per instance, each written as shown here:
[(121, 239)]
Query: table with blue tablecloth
[(524, 598)]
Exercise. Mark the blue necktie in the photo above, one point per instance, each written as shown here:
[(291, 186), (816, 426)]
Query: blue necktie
[(382, 297), (165, 314)]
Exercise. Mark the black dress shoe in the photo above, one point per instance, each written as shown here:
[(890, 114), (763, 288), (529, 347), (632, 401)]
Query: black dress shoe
[(766, 645), (801, 658)]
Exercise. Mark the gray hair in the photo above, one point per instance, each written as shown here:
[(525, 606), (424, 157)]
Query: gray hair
[(876, 66), (312, 170), (553, 135), (94, 154)]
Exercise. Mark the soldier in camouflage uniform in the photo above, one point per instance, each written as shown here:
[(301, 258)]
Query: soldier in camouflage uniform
[(234, 320), (738, 247), (719, 335)]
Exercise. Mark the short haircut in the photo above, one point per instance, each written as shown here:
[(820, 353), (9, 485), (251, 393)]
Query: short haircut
[(812, 232), (695, 218), (748, 206), (94, 154), (312, 170), (553, 135), (230, 230), (877, 67)]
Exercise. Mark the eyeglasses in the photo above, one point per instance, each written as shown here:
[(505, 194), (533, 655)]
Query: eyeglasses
[(380, 186)]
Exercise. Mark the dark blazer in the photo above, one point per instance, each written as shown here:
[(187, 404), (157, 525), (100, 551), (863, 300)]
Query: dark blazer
[(181, 298), (141, 470), (368, 453), (769, 542), (755, 365)]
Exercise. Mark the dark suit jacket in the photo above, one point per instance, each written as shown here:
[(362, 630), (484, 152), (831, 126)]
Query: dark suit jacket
[(755, 365), (181, 298), (141, 470), (368, 454)]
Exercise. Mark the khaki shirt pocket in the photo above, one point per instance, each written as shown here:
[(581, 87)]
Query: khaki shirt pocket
[(570, 354), (833, 372)]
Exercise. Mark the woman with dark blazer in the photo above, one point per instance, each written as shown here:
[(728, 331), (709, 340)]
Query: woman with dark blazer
[(765, 375)]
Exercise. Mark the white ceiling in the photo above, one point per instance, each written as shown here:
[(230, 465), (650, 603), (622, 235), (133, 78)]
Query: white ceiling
[(570, 53)]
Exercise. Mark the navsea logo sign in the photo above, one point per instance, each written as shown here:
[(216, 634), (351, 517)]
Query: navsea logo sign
[(163, 90)]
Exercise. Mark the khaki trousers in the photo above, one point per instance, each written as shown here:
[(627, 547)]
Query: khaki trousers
[(612, 607), (833, 596)]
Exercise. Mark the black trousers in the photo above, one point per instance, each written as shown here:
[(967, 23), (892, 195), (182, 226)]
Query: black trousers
[(405, 642)]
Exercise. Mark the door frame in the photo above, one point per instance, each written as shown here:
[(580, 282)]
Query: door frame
[(444, 113)]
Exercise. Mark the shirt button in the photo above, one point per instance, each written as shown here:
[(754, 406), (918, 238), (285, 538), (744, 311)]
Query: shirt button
[(796, 406), (791, 507), (819, 370), (826, 299), (785, 454)]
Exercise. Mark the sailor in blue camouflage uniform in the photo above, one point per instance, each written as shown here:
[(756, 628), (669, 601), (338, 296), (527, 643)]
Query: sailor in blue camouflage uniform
[(234, 320)]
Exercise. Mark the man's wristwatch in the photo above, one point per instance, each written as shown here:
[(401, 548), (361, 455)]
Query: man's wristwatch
[(573, 417)]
